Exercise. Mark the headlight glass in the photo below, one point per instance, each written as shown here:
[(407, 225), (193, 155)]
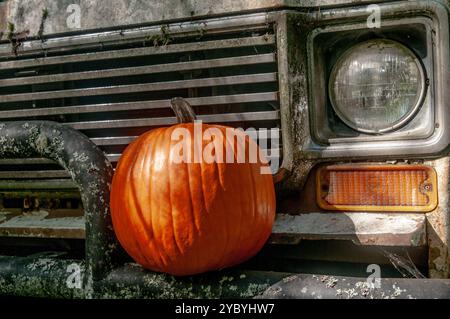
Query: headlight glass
[(377, 86)]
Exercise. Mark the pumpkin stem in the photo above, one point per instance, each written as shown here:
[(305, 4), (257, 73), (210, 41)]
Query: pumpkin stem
[(183, 110)]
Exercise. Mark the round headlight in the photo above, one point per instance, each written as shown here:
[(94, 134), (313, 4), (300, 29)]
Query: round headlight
[(377, 86)]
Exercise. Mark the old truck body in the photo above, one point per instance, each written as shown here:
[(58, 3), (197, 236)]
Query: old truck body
[(80, 80)]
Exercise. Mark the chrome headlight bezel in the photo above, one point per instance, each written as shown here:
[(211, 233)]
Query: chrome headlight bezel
[(427, 133)]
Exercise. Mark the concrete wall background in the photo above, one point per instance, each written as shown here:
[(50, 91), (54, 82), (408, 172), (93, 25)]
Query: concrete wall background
[(27, 15)]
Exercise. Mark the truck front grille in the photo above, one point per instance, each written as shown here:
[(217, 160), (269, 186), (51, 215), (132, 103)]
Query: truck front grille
[(115, 85)]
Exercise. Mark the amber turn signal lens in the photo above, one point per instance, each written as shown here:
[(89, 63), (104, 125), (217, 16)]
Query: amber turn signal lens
[(403, 188)]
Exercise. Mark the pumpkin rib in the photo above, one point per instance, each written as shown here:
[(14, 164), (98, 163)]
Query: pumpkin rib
[(132, 184), (160, 235), (266, 182), (188, 173), (248, 199), (255, 217), (168, 169), (223, 131), (148, 160), (240, 212), (252, 180), (216, 146), (228, 229), (251, 203), (146, 168), (218, 143), (154, 213), (156, 254), (187, 211), (271, 207), (194, 166), (194, 211), (242, 208), (203, 209), (125, 219), (262, 232), (133, 202), (187, 167), (140, 223), (225, 229), (203, 167), (196, 219), (130, 203)]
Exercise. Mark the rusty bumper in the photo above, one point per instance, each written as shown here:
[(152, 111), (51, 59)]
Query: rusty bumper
[(53, 276)]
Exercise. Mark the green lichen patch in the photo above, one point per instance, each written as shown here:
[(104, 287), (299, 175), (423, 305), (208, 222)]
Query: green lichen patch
[(44, 17), (15, 38), (161, 39)]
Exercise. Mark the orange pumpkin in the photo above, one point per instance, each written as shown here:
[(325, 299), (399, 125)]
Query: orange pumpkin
[(188, 217)]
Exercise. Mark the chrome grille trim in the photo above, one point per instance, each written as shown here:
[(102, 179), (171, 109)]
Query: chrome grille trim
[(142, 105), (137, 88), (136, 52), (150, 69), (161, 121), (257, 21)]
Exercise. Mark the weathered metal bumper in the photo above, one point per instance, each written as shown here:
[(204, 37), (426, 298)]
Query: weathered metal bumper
[(102, 275), (52, 276), (305, 286)]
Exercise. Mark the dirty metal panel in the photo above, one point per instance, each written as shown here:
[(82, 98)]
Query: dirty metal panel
[(386, 229), (438, 223), (61, 223)]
